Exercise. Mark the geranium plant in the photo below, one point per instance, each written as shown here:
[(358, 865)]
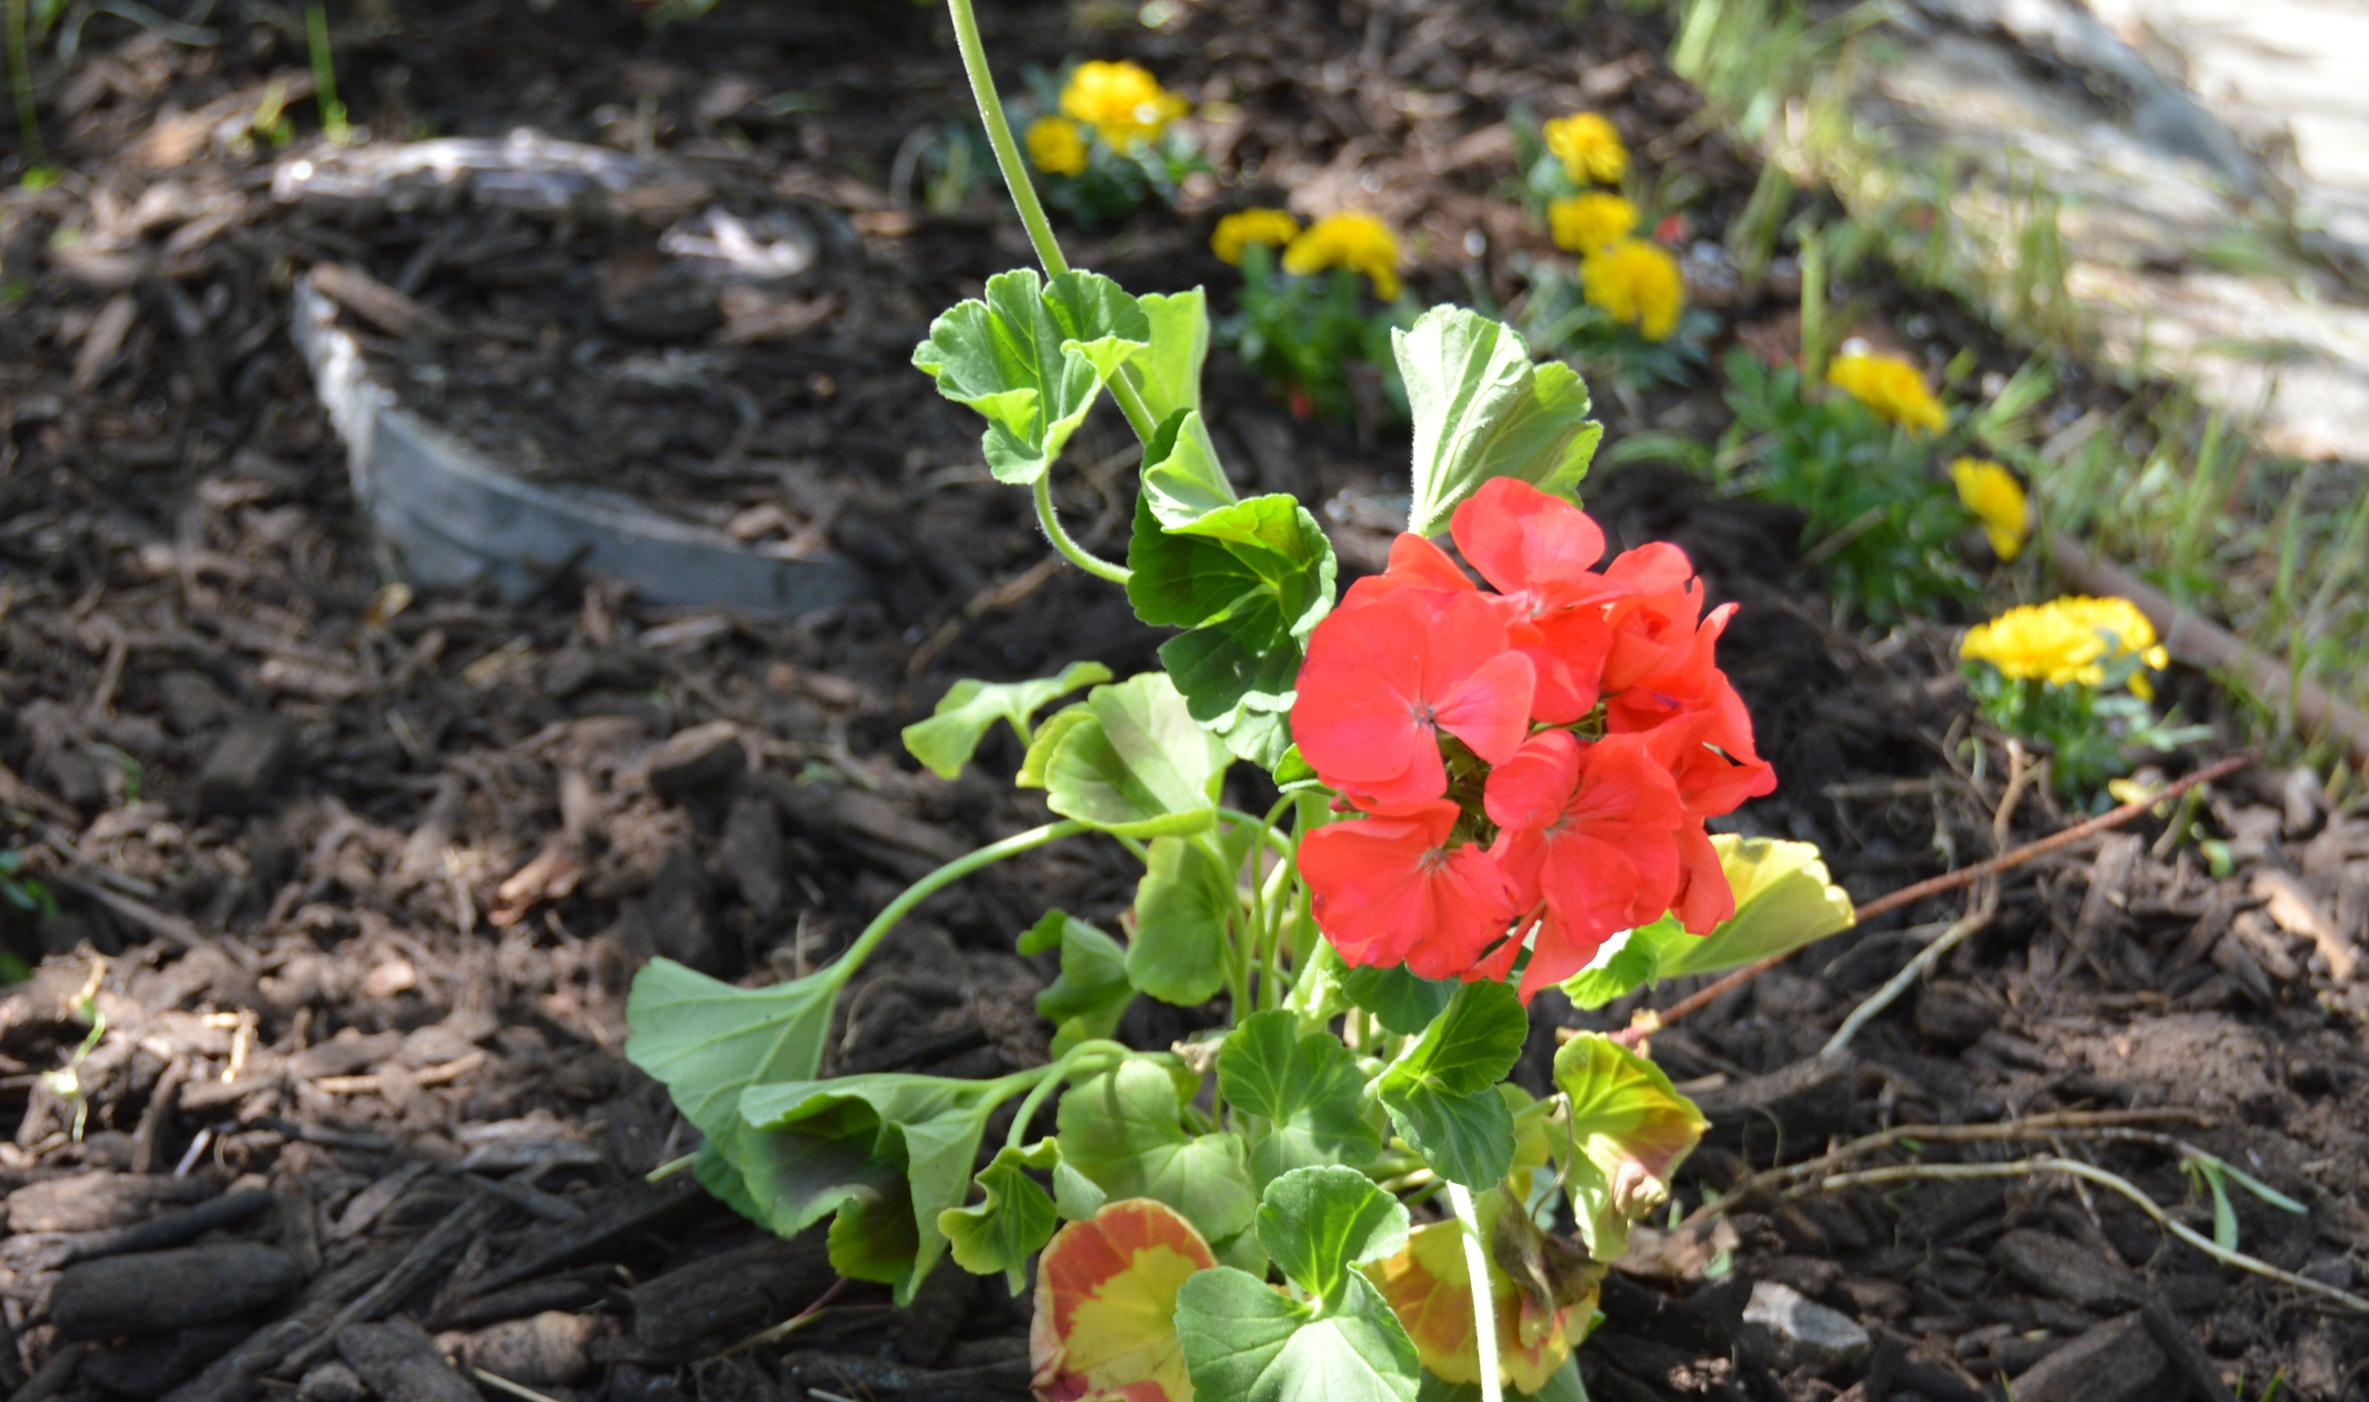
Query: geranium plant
[(1484, 784)]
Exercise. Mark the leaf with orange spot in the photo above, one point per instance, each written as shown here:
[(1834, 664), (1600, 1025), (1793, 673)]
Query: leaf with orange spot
[(1106, 1288), (1429, 1287)]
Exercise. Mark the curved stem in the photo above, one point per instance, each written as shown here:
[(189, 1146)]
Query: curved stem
[(1484, 1308), (846, 965), (999, 137), (1077, 554), (1265, 827), (1008, 161), (1055, 1076)]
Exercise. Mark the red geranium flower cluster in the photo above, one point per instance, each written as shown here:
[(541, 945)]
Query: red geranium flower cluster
[(1533, 765)]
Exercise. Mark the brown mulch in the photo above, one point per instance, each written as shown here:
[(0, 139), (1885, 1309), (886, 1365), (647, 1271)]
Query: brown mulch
[(359, 889)]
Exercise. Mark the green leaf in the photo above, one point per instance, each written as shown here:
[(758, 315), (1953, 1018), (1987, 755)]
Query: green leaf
[(947, 739), (1030, 358), (1319, 1224), (706, 1041), (1628, 1132), (1092, 991), (1404, 1003), (1442, 1091), (1482, 410), (1140, 766), (1182, 481), (888, 1153), (1171, 369), (1305, 1087), (1123, 1130), (1628, 962), (1784, 900), (1048, 739), (1250, 581), (1075, 1196), (1177, 946), (1012, 1221), (1245, 1341)]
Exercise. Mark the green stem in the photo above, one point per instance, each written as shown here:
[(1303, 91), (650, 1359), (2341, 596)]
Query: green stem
[(316, 28), (1265, 827), (1059, 535), (1484, 1308), (1124, 387), (844, 969), (1058, 1073)]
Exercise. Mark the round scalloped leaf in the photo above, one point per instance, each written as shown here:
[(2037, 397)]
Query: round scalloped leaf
[(1105, 1323)]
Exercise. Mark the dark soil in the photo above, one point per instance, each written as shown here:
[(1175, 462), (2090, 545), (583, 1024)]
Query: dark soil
[(359, 887)]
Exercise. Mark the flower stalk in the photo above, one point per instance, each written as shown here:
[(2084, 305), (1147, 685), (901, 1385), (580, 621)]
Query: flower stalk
[(1484, 1308), (1014, 168)]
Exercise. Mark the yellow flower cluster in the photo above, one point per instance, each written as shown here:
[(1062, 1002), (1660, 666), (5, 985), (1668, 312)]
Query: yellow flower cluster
[(1585, 223), (1891, 388), (1359, 242), (1271, 227), (1123, 102), (1056, 146), (2069, 641), (1991, 492), (1636, 284), (1589, 147)]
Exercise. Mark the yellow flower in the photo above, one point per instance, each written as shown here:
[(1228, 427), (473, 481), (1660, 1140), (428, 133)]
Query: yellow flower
[(1235, 232), (1056, 146), (1891, 388), (1991, 492), (1585, 223), (1589, 147), (1122, 102), (1636, 284), (2067, 642), (1358, 242)]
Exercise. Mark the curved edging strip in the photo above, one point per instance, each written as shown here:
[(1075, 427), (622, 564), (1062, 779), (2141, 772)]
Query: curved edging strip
[(459, 519)]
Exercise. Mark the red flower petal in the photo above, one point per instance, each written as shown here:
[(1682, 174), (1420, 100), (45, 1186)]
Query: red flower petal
[(1704, 897), (1526, 542), (1389, 890), (1380, 680), (1605, 856), (1415, 563)]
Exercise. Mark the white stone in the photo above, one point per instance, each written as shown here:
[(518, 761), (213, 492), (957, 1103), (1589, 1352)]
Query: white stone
[(1786, 1330)]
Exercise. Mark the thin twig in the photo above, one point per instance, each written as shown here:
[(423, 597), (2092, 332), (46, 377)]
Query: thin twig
[(2008, 861), (2102, 1124), (2049, 1163), (520, 1390), (1948, 881), (1967, 925)]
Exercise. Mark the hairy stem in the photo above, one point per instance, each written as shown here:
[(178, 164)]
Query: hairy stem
[(1123, 386), (1484, 1308), (1077, 554), (938, 880)]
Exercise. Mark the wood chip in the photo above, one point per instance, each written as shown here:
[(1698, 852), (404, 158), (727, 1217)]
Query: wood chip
[(2297, 913), (380, 305)]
